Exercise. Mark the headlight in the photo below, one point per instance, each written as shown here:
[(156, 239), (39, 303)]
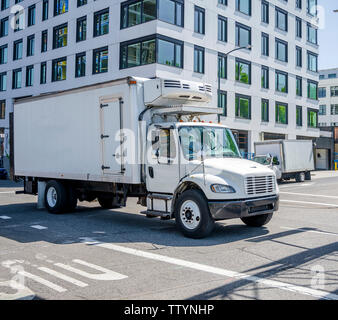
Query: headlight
[(222, 188)]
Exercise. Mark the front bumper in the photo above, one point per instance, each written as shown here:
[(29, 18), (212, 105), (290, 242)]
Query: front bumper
[(221, 210)]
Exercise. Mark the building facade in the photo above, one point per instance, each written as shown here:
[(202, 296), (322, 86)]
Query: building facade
[(267, 90)]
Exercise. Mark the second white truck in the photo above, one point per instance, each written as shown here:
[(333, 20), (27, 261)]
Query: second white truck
[(139, 138)]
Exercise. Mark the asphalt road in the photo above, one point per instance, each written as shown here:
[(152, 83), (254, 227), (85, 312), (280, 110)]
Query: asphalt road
[(120, 254)]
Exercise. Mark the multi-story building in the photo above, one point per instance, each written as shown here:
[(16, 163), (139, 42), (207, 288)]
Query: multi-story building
[(328, 98), (268, 89)]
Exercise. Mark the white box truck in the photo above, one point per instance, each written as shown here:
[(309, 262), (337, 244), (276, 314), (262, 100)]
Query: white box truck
[(290, 159), (140, 138)]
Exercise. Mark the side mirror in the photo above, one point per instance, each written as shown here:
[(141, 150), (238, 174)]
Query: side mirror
[(157, 153)]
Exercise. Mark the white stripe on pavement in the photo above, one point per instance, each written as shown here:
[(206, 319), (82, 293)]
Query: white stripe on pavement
[(63, 277), (310, 195), (5, 217), (43, 281), (39, 227), (313, 231), (308, 202), (6, 192), (223, 272)]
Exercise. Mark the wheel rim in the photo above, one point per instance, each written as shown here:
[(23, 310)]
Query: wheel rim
[(52, 197), (190, 214)]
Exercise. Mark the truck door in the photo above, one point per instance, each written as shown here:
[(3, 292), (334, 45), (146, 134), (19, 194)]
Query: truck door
[(111, 139), (162, 165)]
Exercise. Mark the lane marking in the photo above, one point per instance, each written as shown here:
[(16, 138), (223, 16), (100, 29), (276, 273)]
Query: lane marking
[(223, 272), (39, 227), (63, 277), (6, 192), (46, 283), (5, 217), (293, 185), (105, 275), (310, 195), (308, 202), (313, 231)]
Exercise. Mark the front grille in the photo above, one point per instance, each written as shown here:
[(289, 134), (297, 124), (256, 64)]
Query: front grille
[(259, 185)]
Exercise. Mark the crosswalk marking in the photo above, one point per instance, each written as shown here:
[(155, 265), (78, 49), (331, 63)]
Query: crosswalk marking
[(63, 277)]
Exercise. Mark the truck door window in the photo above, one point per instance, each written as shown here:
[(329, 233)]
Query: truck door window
[(165, 146)]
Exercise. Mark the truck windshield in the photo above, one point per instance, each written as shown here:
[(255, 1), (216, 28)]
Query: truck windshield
[(215, 142)]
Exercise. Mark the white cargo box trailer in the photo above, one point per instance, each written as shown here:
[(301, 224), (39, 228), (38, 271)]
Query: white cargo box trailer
[(290, 158), (140, 138)]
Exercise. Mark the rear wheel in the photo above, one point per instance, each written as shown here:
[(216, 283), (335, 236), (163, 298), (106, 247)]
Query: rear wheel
[(192, 214), (107, 203), (300, 177), (55, 197), (257, 221)]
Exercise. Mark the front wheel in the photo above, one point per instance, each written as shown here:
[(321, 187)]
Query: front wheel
[(257, 221), (192, 215)]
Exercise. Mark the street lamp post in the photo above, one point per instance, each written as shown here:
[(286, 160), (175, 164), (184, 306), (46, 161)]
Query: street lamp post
[(219, 73)]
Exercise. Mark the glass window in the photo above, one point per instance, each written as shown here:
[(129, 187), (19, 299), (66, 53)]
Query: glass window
[(281, 81), (334, 91), (3, 81), (281, 113), (17, 50), (312, 90), (222, 28), (265, 77), (334, 109), (19, 20), (265, 110), (169, 53), (244, 6), (45, 8), (171, 11), (299, 116), (298, 27), (312, 34), (29, 76), (312, 118), (30, 45), (265, 12), (312, 61), (60, 7), (44, 38), (199, 20), (222, 65), (243, 71), (59, 69), (31, 15), (265, 44), (100, 60), (80, 65), (3, 54), (281, 19), (281, 50), (4, 27), (321, 92), (4, 4), (222, 102), (60, 36), (332, 75), (17, 79), (101, 22), (224, 2), (81, 29), (299, 58), (312, 7), (2, 109), (81, 2), (322, 110), (299, 86), (299, 4), (243, 35), (141, 11), (243, 106), (198, 59), (43, 73)]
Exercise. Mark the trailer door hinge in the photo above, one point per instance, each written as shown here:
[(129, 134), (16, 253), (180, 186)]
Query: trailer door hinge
[(104, 168), (104, 136), (103, 105)]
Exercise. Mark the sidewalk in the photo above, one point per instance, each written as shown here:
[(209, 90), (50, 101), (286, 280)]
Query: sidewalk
[(324, 174)]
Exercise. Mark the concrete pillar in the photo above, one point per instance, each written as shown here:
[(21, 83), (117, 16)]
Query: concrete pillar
[(41, 195)]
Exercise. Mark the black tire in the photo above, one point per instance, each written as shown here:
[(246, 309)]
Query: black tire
[(307, 175), (61, 199), (71, 199), (107, 203), (206, 222), (300, 177), (257, 221)]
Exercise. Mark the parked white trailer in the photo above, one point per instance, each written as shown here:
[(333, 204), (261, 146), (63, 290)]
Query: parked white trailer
[(140, 138), (288, 158)]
